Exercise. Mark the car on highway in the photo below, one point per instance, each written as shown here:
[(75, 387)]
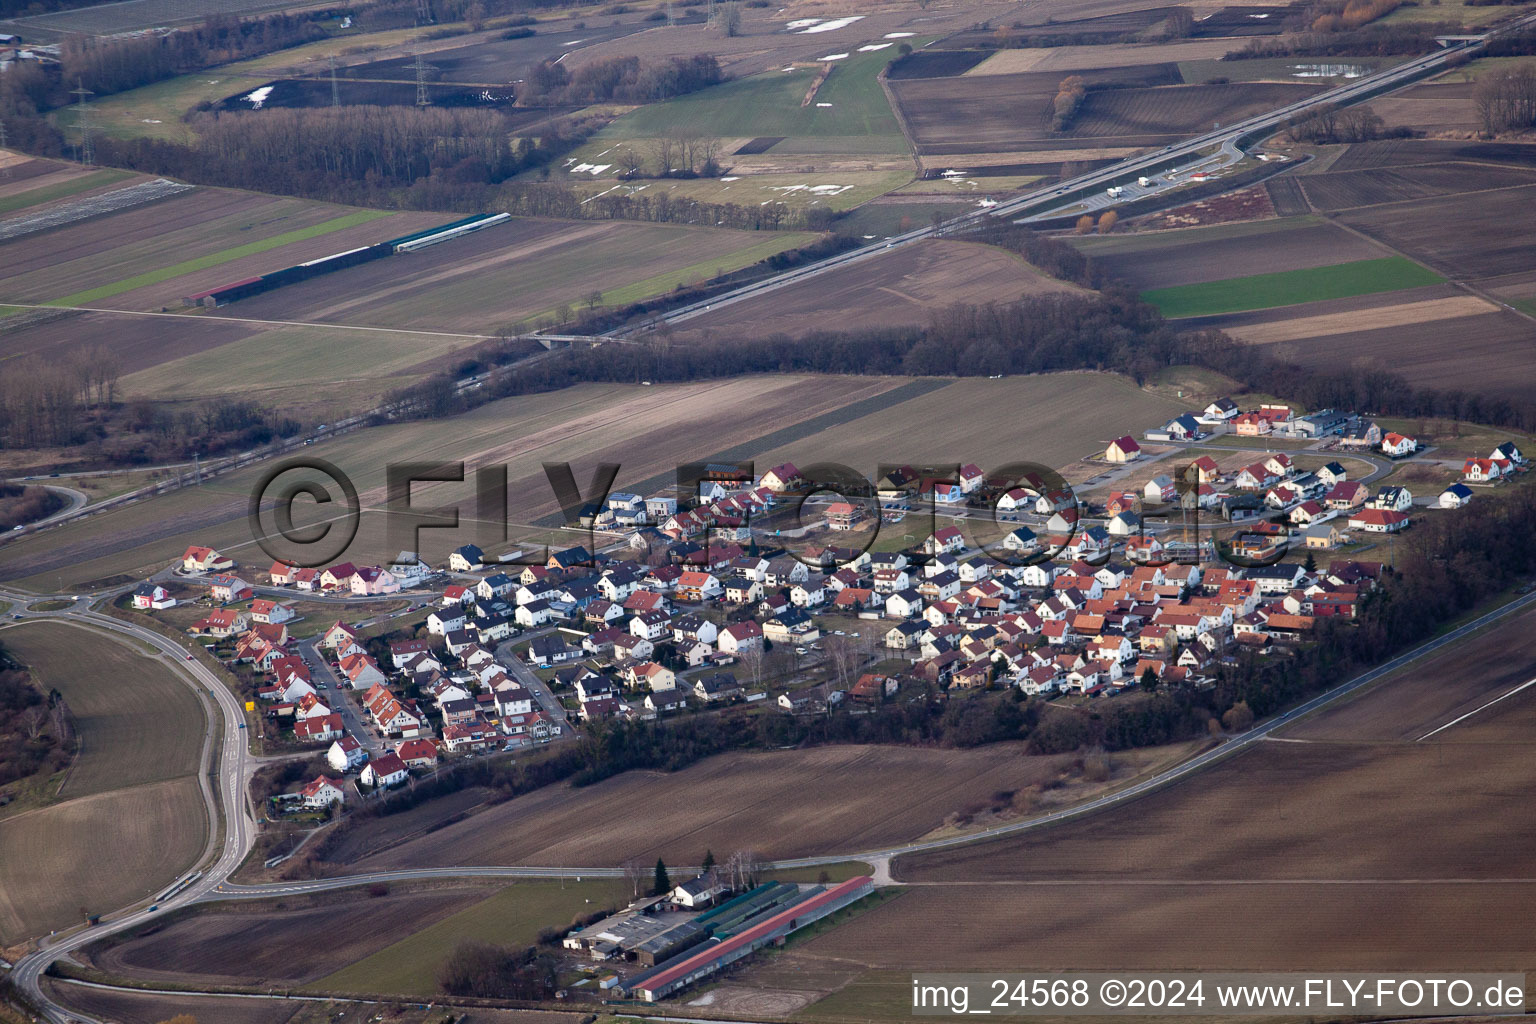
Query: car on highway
[(189, 657), (153, 907), (242, 725)]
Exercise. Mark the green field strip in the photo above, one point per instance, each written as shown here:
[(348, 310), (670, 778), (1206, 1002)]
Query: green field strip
[(48, 193), (770, 104), (1291, 287), (511, 917), (214, 259)]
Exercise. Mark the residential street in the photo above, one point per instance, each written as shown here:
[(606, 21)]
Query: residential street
[(518, 670)]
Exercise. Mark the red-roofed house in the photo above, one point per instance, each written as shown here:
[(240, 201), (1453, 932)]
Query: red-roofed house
[(1378, 520), (417, 753), (201, 559), (318, 729), (270, 612), (384, 771), (944, 541), (1122, 449), (781, 478), (322, 792)]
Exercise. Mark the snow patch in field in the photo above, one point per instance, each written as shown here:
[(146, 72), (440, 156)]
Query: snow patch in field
[(592, 169), (823, 104), (798, 24), (150, 120), (706, 999), (898, 35), (733, 177), (833, 56), (815, 190), (833, 25), (871, 47), (258, 97)]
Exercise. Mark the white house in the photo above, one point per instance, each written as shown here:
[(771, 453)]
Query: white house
[(1159, 490), (345, 754), (322, 792), (739, 637), (1398, 445), (1455, 496), (385, 771), (447, 620), (153, 596), (468, 558)]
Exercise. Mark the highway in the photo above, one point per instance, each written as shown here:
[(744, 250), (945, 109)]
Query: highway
[(232, 824), (1041, 201)]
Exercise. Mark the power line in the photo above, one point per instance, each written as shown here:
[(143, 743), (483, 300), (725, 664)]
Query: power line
[(5, 169), (335, 92), (422, 67), (83, 122), (423, 12)]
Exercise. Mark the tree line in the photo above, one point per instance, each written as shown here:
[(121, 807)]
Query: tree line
[(1505, 99), (1388, 40), (37, 731), (1333, 124), (43, 401), (112, 64), (618, 80)]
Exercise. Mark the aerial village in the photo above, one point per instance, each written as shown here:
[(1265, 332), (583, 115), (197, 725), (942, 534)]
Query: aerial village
[(687, 606)]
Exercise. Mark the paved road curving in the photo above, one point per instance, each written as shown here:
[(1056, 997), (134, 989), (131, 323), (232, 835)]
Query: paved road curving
[(232, 826)]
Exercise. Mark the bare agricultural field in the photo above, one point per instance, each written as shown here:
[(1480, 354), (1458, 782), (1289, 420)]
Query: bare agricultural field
[(39, 183), (648, 430), (1431, 693), (125, 1006), (1341, 190), (1051, 419), (1441, 115), (782, 804), (137, 722), (1400, 314), (1139, 926), (1080, 58), (138, 342), (1358, 848), (1401, 152), (1188, 256), (1359, 798), (1010, 113), (54, 861), (268, 945), (103, 250), (1489, 352), (1463, 236), (515, 271), (286, 361), (134, 778), (893, 289)]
